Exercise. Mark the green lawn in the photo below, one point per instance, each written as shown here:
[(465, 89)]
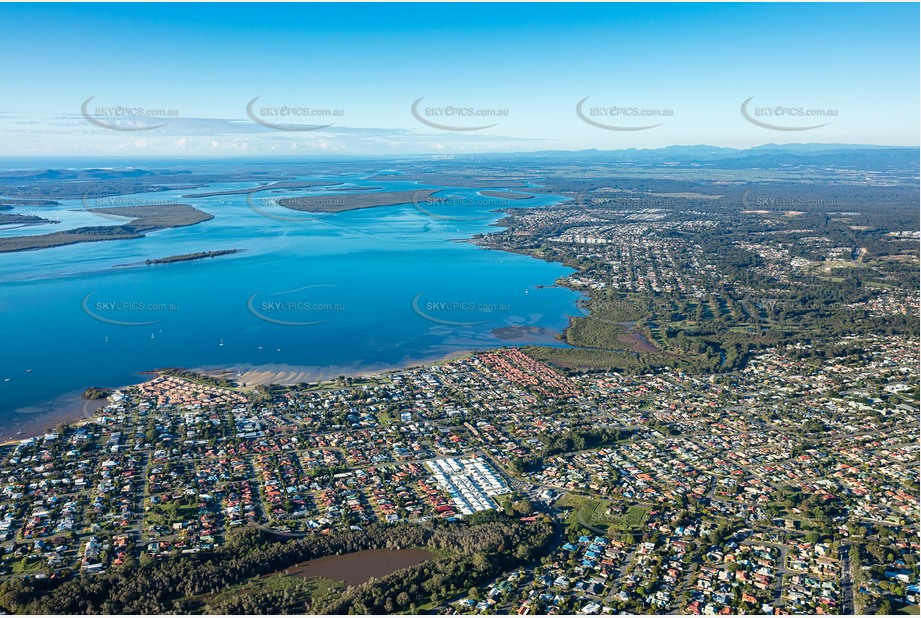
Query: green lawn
[(592, 514)]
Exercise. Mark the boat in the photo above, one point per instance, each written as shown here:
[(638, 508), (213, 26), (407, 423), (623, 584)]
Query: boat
[(152, 336), (107, 339), (221, 344)]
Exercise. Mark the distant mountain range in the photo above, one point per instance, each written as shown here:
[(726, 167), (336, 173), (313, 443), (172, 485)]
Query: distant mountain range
[(768, 156), (858, 156)]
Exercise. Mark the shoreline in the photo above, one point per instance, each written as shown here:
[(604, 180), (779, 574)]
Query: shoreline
[(68, 409), (250, 376), (71, 408)]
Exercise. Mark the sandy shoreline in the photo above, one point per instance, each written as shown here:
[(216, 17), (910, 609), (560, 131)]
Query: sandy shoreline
[(41, 418), (248, 375), (71, 408)]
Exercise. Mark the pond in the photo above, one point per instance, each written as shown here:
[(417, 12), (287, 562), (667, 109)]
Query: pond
[(358, 567)]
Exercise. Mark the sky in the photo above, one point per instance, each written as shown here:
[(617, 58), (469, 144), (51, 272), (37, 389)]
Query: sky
[(491, 77)]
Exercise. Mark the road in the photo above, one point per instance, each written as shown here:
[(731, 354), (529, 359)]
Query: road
[(847, 586)]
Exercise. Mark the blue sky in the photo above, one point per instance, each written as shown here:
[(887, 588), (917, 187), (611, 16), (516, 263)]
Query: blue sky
[(692, 66)]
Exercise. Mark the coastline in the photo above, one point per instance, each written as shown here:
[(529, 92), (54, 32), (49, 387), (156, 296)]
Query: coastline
[(72, 409), (68, 409), (249, 376)]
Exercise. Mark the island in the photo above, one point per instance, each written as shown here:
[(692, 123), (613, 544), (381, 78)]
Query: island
[(14, 219), (506, 195), (145, 219), (354, 201), (188, 257), (8, 204)]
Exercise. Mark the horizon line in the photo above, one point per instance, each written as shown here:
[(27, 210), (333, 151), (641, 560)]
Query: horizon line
[(450, 155)]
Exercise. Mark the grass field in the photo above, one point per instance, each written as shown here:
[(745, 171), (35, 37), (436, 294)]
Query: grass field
[(592, 514)]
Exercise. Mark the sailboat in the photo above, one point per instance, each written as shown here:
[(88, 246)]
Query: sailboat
[(107, 339), (152, 336), (221, 344)]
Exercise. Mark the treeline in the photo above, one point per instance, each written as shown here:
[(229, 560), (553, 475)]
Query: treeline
[(196, 377), (569, 442), (187, 257), (473, 551), (96, 392), (582, 439)]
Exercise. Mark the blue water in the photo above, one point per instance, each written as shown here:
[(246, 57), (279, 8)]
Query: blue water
[(322, 294)]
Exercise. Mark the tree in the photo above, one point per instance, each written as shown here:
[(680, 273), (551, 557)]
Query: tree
[(522, 507)]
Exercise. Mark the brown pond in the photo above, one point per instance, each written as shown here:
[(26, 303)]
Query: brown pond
[(360, 566)]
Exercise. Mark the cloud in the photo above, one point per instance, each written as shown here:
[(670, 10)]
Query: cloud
[(74, 135)]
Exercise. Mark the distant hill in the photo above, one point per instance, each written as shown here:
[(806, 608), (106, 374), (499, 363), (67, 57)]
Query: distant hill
[(768, 156)]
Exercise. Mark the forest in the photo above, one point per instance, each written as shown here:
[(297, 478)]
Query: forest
[(467, 552)]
